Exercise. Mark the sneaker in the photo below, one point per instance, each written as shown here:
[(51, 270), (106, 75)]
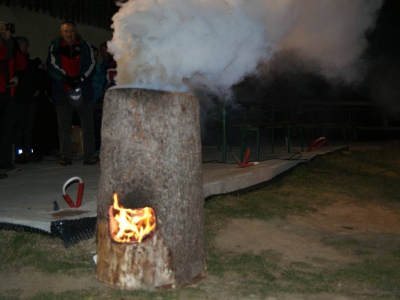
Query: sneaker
[(10, 168), (94, 160), (3, 176), (64, 161)]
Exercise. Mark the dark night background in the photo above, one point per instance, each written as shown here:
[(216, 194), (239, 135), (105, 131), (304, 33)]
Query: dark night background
[(294, 83), (299, 83)]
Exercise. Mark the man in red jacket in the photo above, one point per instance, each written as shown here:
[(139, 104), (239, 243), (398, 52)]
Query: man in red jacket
[(12, 64), (70, 65)]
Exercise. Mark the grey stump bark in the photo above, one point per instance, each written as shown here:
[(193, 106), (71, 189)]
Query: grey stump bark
[(151, 156)]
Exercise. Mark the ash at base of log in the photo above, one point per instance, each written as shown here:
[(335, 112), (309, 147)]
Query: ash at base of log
[(73, 231), (194, 282)]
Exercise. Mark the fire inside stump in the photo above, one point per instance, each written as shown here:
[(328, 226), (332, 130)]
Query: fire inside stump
[(150, 234), (130, 225)]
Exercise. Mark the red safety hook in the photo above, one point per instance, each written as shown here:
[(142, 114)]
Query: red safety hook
[(317, 144), (80, 192), (246, 158)]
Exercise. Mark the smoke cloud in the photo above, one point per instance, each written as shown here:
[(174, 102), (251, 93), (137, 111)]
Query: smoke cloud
[(186, 45)]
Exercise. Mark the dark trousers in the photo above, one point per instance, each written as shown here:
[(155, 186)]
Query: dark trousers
[(24, 118), (64, 118), (7, 123), (45, 129)]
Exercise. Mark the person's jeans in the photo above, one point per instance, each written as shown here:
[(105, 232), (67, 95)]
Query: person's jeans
[(25, 117), (64, 117)]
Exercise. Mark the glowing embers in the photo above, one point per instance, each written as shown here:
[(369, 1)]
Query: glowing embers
[(131, 225)]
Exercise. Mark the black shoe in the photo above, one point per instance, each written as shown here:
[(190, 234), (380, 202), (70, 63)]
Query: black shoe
[(3, 176), (94, 160), (20, 159), (10, 168), (64, 161)]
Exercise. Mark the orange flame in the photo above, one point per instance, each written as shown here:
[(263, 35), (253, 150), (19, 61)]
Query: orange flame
[(131, 225)]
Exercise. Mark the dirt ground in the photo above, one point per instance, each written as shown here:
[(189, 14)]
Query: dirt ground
[(294, 239)]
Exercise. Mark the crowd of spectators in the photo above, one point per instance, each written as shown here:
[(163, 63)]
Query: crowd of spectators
[(74, 77)]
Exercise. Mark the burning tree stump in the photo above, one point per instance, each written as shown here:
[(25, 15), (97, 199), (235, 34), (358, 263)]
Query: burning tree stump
[(151, 157)]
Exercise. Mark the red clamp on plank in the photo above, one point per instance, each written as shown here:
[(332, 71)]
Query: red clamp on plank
[(318, 143), (67, 198), (246, 158)]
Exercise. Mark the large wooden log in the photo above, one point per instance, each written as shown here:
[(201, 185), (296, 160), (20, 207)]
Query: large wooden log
[(151, 156)]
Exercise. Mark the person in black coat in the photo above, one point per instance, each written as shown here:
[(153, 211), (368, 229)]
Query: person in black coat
[(30, 87), (12, 67)]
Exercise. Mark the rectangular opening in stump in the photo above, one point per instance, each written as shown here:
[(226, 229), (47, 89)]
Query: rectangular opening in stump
[(130, 226)]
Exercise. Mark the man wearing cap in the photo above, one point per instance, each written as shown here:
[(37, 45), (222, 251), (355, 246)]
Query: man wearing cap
[(71, 64), (12, 66)]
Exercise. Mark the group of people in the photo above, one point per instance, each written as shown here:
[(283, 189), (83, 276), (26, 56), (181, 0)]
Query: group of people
[(79, 78)]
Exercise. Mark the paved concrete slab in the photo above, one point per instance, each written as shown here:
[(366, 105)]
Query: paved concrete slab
[(27, 197)]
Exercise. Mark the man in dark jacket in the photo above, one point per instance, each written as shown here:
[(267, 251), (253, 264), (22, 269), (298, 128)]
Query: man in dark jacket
[(30, 87), (109, 65), (12, 66), (70, 63)]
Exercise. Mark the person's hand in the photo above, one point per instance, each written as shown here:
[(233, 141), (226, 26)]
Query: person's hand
[(13, 81), (73, 81)]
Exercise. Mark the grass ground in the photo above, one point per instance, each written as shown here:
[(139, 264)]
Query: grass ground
[(328, 230)]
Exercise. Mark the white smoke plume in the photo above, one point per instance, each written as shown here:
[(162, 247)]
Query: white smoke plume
[(182, 45), (332, 33)]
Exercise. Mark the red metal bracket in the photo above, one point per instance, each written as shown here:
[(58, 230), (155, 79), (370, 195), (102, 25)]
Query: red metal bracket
[(67, 198), (318, 143), (246, 158)]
